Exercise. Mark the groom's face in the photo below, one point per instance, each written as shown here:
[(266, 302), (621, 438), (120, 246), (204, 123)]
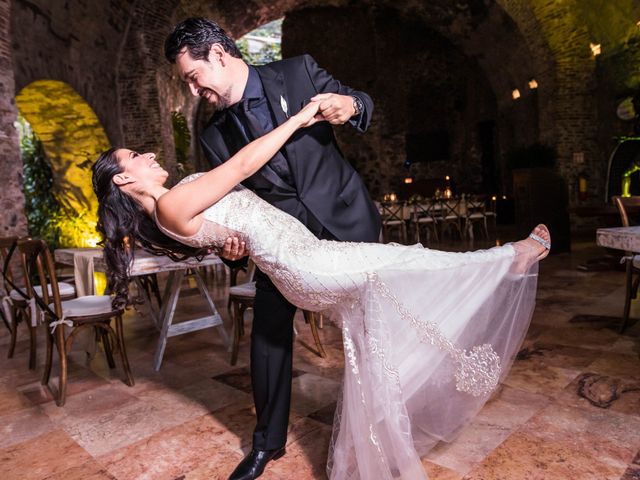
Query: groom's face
[(206, 78)]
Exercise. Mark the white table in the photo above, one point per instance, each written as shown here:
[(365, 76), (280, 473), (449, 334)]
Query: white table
[(619, 238), (145, 264)]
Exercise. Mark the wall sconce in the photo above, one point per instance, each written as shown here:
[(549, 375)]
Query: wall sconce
[(533, 84), (408, 180), (494, 198), (596, 49), (515, 94)]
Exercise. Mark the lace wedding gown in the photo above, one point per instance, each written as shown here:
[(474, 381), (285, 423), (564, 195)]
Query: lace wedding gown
[(427, 334)]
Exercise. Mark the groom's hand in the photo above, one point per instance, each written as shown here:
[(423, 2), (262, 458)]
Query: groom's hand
[(233, 249), (336, 109)]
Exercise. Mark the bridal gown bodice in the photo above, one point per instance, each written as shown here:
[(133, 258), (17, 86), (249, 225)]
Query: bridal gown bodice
[(427, 335), (312, 274)]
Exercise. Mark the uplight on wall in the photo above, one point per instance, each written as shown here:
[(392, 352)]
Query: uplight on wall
[(596, 49), (533, 84), (515, 94)]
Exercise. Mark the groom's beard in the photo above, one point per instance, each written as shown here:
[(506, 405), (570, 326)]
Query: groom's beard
[(218, 101)]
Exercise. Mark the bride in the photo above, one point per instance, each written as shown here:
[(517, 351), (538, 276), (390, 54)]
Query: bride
[(427, 335)]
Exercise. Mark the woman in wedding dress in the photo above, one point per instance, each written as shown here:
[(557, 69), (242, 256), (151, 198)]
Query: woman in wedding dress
[(427, 335)]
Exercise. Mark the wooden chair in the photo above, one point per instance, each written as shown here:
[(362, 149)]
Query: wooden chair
[(392, 215), (91, 311), (242, 297), (424, 215), (632, 260), (24, 307), (451, 214), (10, 309), (475, 214)]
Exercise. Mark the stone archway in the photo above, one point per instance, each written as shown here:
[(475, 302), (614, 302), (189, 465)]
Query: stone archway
[(72, 137)]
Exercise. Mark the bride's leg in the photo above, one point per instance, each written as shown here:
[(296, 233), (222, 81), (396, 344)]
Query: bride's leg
[(531, 249)]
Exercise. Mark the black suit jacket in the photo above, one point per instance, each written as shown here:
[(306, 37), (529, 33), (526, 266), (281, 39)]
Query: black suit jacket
[(325, 184)]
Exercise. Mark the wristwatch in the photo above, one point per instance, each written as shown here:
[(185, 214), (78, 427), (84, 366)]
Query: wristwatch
[(358, 106)]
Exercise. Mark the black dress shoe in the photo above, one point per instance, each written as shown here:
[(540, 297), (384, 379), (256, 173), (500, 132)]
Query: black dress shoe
[(253, 464)]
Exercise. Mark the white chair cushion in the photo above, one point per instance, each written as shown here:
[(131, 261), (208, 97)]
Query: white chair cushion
[(87, 305), (15, 295), (244, 289), (66, 289)]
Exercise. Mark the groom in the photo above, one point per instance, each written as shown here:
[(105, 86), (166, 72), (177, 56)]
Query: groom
[(308, 179)]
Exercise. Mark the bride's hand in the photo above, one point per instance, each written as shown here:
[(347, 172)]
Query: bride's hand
[(309, 115)]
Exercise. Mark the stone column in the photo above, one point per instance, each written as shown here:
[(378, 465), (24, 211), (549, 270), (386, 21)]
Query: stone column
[(12, 217)]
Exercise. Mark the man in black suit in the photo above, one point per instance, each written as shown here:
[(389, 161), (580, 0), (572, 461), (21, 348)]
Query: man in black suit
[(308, 179)]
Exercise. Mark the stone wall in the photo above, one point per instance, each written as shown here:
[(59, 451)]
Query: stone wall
[(110, 52), (12, 218)]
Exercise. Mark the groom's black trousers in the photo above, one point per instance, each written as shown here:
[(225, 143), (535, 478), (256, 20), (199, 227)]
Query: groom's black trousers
[(271, 358), (271, 363)]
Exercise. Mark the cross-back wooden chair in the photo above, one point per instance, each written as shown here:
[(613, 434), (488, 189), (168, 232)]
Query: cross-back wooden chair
[(23, 309), (9, 309), (242, 297), (91, 311), (475, 214), (632, 259), (424, 215), (393, 218), (451, 214)]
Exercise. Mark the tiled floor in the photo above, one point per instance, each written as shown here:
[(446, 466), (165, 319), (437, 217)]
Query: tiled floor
[(193, 419)]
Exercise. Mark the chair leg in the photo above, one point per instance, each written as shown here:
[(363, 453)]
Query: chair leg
[(107, 347), (14, 331), (311, 318), (33, 345), (47, 368), (153, 280), (123, 352), (628, 293), (62, 352)]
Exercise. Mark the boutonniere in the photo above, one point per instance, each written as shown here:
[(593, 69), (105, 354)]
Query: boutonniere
[(285, 107)]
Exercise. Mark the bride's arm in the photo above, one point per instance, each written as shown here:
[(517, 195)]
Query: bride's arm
[(180, 207)]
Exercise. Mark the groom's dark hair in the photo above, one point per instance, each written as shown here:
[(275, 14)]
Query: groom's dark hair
[(197, 34)]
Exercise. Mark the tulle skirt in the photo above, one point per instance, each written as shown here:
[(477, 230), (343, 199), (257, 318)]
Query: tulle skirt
[(424, 349)]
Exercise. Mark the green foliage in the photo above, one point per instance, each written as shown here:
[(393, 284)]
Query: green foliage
[(41, 207), (269, 52), (182, 141), (536, 155)]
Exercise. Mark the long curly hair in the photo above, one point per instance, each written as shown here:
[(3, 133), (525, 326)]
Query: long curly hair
[(124, 225)]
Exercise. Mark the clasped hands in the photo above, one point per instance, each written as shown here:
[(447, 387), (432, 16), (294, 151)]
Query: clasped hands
[(333, 108)]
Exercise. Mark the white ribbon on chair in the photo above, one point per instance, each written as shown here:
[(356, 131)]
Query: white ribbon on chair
[(54, 325), (626, 258), (7, 305)]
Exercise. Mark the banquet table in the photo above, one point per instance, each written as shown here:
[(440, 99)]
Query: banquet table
[(87, 260), (619, 238)]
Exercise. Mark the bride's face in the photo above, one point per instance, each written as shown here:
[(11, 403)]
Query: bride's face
[(139, 168)]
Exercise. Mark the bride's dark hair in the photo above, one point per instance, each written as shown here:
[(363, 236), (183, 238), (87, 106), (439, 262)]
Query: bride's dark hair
[(124, 225)]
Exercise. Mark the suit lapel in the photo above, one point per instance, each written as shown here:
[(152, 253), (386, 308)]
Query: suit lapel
[(232, 138)]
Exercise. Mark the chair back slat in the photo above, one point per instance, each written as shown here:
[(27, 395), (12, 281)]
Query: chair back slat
[(39, 268), (623, 203), (6, 243)]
